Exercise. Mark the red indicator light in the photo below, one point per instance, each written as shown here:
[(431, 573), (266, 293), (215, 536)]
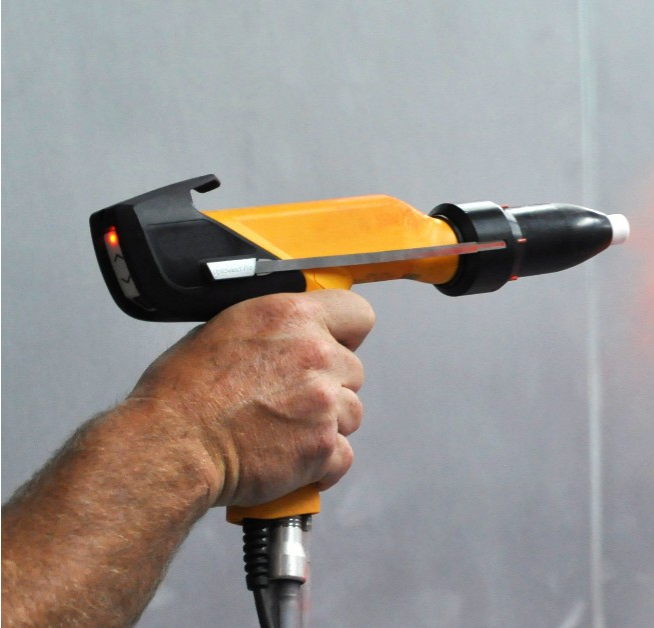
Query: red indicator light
[(112, 237)]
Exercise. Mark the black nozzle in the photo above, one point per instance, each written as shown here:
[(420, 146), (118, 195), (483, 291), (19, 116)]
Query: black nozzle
[(560, 236), (539, 239)]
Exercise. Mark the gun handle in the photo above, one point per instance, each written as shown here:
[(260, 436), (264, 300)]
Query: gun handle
[(305, 500)]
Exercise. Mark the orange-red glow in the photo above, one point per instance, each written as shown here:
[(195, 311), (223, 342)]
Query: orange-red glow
[(112, 237)]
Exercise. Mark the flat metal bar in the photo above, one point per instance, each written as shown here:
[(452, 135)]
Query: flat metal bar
[(265, 266)]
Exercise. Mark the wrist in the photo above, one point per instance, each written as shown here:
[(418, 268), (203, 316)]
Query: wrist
[(170, 448)]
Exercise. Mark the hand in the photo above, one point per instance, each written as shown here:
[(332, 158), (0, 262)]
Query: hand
[(270, 387), (245, 409)]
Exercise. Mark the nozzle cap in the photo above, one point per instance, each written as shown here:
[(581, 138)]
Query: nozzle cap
[(620, 226)]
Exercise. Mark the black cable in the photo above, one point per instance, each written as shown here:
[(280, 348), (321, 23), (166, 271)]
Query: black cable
[(262, 604), (256, 538)]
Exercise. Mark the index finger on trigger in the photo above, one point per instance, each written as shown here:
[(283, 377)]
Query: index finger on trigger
[(347, 316)]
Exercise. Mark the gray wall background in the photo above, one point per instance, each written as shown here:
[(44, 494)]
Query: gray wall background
[(504, 473)]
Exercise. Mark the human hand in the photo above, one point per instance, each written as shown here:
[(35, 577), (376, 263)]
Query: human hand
[(269, 388)]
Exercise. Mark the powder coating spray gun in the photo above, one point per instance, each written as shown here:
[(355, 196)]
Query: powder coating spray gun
[(163, 260)]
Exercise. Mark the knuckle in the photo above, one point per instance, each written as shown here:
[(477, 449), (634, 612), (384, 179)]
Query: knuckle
[(274, 307), (338, 465), (352, 414), (356, 372), (356, 412), (323, 395), (304, 307), (325, 443), (280, 311), (293, 306), (347, 457), (362, 310), (368, 314), (315, 353)]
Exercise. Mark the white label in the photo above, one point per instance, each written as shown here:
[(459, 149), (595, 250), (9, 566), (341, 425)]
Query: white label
[(232, 268)]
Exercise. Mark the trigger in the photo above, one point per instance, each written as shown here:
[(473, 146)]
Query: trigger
[(335, 278)]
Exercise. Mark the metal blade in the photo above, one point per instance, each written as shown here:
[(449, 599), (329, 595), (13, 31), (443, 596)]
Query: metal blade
[(249, 266), (264, 266)]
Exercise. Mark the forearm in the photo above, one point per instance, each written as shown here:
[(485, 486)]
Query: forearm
[(87, 540)]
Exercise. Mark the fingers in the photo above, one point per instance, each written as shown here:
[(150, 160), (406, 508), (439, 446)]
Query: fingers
[(347, 316), (345, 367), (350, 414), (337, 465), (341, 456)]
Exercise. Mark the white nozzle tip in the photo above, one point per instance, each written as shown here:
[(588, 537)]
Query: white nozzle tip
[(620, 226)]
